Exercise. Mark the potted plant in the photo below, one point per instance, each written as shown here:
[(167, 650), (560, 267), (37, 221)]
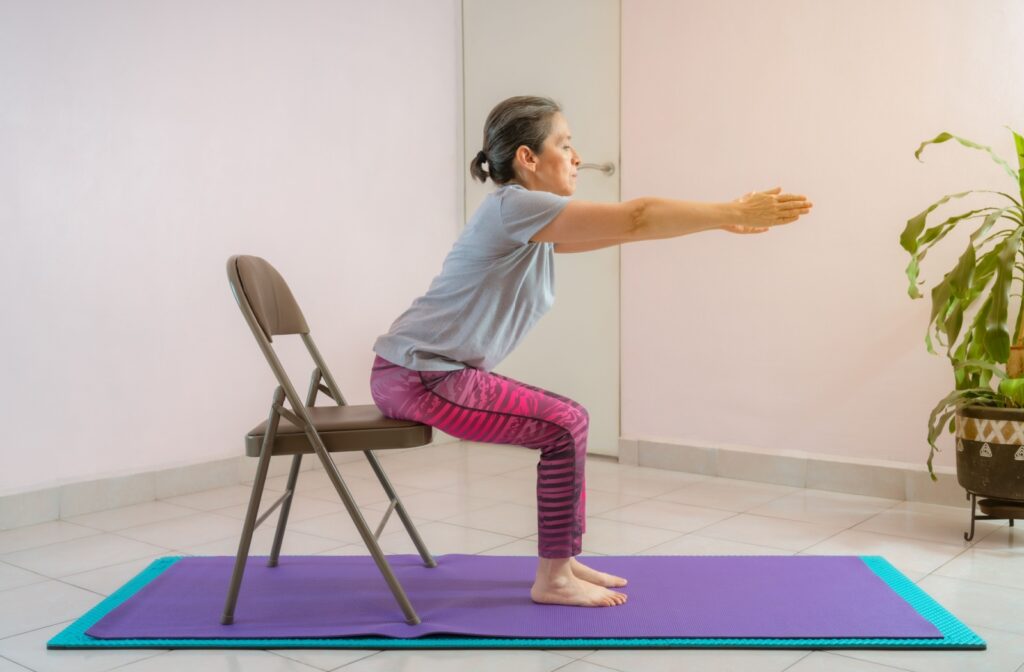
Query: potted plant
[(970, 317)]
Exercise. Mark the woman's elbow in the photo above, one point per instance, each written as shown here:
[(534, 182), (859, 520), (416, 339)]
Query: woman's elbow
[(637, 210)]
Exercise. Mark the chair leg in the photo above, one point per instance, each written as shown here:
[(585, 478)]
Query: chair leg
[(286, 506), (364, 530), (250, 515), (428, 559)]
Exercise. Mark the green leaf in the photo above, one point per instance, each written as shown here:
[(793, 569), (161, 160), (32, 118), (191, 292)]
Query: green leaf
[(941, 294), (1002, 193), (983, 272), (948, 407), (979, 364), (912, 271), (1014, 389), (998, 234), (960, 375), (954, 320), (997, 336), (943, 137), (962, 275), (975, 350), (982, 396), (915, 225), (940, 302), (934, 427), (934, 234), (1019, 142), (980, 318), (989, 221)]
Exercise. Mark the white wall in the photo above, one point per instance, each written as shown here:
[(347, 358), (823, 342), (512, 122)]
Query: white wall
[(141, 144), (803, 338), (574, 349)]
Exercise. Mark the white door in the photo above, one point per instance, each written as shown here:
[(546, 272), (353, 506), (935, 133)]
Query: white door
[(567, 50)]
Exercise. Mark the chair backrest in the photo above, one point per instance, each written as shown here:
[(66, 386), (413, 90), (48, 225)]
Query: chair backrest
[(256, 282), (271, 310)]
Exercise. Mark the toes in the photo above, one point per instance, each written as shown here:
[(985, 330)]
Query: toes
[(616, 598)]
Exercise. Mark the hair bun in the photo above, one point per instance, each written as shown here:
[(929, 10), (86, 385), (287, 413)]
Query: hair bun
[(481, 157)]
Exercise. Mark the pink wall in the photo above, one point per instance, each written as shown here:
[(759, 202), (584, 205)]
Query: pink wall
[(141, 144), (802, 338)]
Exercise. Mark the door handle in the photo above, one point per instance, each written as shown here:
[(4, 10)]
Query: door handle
[(607, 168)]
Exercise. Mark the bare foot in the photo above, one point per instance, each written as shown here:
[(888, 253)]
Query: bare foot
[(593, 576), (556, 584), (573, 591)]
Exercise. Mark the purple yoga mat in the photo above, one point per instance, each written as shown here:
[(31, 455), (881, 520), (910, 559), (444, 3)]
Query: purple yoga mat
[(669, 596)]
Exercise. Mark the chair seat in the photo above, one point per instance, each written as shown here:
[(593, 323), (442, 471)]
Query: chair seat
[(342, 428)]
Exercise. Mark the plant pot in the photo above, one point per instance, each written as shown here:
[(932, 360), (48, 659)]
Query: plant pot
[(990, 452)]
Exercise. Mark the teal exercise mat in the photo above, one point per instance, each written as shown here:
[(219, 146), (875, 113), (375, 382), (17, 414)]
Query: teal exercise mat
[(472, 601)]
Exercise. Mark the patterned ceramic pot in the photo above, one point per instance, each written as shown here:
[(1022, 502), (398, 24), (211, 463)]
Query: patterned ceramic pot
[(990, 451)]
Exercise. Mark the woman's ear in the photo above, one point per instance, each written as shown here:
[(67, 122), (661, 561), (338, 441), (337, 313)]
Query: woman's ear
[(526, 159)]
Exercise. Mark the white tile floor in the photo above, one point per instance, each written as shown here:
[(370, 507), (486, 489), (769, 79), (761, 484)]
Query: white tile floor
[(479, 498)]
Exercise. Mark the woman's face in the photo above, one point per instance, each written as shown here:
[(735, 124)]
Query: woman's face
[(554, 169)]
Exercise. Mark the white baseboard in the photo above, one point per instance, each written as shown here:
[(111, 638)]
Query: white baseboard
[(874, 478), (76, 499), (893, 480)]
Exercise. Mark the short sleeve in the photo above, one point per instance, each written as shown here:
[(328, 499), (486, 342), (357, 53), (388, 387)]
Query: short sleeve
[(524, 212)]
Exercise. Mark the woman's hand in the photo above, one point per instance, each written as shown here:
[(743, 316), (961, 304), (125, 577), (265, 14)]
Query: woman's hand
[(761, 210)]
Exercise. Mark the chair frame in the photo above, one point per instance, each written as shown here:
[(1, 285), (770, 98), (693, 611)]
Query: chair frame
[(299, 417)]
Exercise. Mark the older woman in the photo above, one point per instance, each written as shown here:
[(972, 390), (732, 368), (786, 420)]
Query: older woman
[(435, 363)]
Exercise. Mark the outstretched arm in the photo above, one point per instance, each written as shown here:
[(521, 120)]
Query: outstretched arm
[(583, 225), (588, 246)]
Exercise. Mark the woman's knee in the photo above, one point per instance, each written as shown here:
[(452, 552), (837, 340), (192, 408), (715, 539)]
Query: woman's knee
[(581, 421)]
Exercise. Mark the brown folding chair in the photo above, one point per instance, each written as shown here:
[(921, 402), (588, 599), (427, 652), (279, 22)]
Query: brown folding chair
[(270, 309)]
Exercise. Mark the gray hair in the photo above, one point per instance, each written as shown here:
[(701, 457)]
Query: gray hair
[(517, 121)]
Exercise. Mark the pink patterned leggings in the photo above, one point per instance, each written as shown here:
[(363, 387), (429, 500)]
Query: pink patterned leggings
[(477, 405)]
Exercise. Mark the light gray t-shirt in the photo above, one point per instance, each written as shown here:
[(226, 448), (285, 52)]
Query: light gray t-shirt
[(493, 287)]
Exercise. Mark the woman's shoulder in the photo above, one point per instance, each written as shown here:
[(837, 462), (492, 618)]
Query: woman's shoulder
[(517, 193)]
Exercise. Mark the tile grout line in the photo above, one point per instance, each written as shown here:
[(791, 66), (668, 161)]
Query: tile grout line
[(739, 513), (358, 660), (839, 652), (156, 653), (576, 660), (14, 662), (30, 571), (654, 497), (52, 543), (850, 528), (798, 660)]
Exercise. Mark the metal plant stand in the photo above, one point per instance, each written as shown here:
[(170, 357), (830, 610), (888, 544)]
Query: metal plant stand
[(995, 509)]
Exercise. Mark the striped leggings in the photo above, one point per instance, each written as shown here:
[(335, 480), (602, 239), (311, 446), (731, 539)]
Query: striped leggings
[(477, 405)]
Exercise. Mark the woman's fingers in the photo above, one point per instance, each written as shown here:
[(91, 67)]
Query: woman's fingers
[(772, 208), (792, 198)]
